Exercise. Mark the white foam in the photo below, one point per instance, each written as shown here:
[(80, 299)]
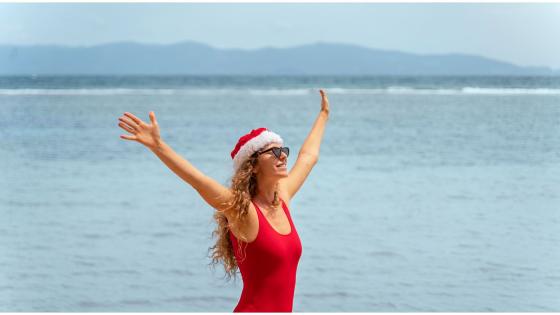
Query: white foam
[(279, 91), (510, 91), (86, 91), (392, 90), (398, 90)]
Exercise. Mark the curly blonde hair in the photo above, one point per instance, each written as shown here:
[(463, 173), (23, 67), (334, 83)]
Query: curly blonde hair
[(244, 188)]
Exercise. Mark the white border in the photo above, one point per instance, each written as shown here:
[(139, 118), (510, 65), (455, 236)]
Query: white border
[(285, 1)]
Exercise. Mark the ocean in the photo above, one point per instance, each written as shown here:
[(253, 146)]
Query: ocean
[(431, 194)]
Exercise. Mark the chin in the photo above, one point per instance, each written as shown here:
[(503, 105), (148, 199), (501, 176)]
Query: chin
[(281, 174)]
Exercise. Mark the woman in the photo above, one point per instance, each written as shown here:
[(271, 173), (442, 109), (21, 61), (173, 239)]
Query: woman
[(255, 230)]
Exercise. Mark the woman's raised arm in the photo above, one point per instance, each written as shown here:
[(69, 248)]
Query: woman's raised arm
[(214, 193), (309, 153)]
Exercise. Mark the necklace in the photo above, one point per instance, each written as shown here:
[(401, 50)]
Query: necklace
[(268, 205)]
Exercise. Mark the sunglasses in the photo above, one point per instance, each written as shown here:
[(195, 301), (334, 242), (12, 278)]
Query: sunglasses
[(276, 150)]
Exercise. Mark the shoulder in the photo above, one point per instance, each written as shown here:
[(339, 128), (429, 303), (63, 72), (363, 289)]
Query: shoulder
[(252, 228), (285, 197), (283, 192)]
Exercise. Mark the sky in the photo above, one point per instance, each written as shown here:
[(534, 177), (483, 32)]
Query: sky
[(525, 34)]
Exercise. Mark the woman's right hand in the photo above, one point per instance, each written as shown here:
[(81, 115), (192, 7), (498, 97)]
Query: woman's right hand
[(147, 134)]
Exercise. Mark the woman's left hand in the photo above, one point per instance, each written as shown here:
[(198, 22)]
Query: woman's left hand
[(324, 101)]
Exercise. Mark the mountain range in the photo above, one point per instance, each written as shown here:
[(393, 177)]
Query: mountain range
[(195, 58)]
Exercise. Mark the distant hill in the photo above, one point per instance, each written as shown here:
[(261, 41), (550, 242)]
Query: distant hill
[(188, 57)]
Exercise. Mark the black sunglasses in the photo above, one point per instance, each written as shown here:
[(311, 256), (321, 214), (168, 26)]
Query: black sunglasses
[(276, 150)]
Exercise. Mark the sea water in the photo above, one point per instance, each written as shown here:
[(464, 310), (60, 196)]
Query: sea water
[(430, 194)]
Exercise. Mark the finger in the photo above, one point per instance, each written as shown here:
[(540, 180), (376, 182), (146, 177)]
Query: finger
[(129, 122), (153, 118), (127, 137), (127, 127), (136, 119)]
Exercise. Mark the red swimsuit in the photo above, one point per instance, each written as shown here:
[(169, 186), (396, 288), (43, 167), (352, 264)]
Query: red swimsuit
[(269, 268)]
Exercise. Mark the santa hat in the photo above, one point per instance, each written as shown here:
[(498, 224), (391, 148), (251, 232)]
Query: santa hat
[(251, 143)]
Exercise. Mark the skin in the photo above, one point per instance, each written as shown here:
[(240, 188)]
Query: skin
[(269, 178), (268, 174)]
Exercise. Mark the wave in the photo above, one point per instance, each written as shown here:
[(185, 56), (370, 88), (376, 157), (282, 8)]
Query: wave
[(392, 90), (110, 91), (449, 91), (510, 91)]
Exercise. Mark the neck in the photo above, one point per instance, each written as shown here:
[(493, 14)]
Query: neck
[(265, 190)]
